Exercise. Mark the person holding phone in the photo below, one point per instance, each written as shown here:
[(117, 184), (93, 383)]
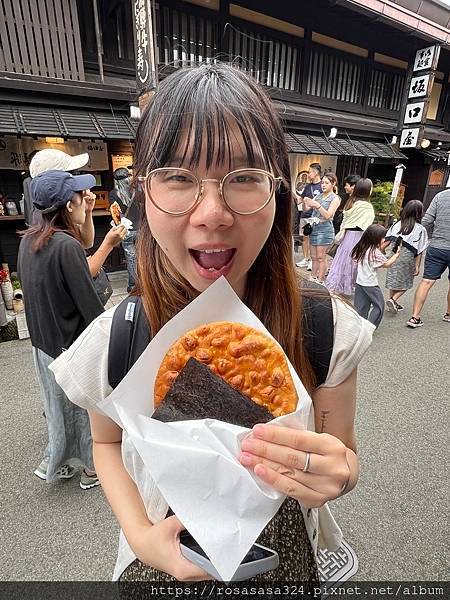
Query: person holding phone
[(215, 190), (323, 207)]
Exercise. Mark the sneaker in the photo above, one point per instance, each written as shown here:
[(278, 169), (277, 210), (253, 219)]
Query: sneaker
[(399, 306), (64, 471), (88, 481), (391, 305), (309, 267), (413, 322), (303, 263), (446, 317)]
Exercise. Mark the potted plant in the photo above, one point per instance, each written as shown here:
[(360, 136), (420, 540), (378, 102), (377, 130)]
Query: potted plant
[(381, 202)]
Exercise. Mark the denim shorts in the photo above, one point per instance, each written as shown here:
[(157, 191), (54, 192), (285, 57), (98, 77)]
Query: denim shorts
[(436, 261), (322, 234)]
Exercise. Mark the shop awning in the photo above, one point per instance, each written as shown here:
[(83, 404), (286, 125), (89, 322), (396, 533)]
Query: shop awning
[(65, 122), (438, 154), (316, 144)]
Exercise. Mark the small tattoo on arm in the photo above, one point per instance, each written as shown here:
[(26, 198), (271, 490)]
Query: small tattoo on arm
[(323, 419)]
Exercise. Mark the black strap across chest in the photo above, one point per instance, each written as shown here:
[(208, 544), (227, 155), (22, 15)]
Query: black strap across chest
[(130, 334)]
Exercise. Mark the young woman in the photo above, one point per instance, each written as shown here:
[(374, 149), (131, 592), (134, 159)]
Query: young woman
[(349, 187), (400, 277), (358, 215), (60, 301), (217, 201), (324, 206), (369, 300)]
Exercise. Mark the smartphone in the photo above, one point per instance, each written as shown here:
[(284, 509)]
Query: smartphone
[(397, 244), (259, 559)]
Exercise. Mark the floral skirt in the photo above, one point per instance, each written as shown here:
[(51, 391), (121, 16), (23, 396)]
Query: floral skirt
[(285, 533)]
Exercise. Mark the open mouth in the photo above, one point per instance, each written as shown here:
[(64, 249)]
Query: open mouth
[(213, 263)]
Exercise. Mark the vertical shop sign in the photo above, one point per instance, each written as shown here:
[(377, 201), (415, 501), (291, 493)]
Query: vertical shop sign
[(144, 44), (417, 97)]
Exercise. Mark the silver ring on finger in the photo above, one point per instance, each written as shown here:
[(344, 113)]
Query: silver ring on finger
[(307, 461)]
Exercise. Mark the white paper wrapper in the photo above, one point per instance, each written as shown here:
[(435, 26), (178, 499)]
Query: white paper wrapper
[(194, 463), (125, 222)]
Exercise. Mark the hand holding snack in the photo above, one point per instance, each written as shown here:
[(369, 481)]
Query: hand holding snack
[(310, 467), (159, 547), (116, 213), (115, 235)]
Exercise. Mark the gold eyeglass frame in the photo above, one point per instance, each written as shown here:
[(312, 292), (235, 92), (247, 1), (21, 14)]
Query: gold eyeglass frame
[(276, 181)]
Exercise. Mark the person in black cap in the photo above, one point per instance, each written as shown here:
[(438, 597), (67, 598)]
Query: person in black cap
[(60, 302), (123, 195)]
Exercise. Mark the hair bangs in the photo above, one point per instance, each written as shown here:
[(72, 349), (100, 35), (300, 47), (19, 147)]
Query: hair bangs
[(208, 116)]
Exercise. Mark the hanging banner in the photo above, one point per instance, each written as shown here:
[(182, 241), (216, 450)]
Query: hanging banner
[(15, 152), (144, 45), (417, 97)]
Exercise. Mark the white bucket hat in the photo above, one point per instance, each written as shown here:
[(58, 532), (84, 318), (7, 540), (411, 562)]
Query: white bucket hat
[(55, 160)]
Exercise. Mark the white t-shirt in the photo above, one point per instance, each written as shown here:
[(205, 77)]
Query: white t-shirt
[(367, 268), (82, 372)]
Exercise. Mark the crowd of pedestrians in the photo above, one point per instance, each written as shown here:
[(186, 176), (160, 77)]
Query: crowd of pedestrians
[(359, 247)]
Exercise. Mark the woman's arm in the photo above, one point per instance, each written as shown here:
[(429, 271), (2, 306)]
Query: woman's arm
[(327, 215), (87, 231), (111, 240), (156, 545), (334, 413), (391, 261), (278, 454), (418, 262)]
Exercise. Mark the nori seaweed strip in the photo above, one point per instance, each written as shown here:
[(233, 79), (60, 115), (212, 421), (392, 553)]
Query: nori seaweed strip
[(198, 393)]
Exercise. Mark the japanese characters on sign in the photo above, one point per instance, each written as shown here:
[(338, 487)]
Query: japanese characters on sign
[(414, 112), (145, 58), (409, 137), (419, 86), (425, 58), (412, 121), (15, 152)]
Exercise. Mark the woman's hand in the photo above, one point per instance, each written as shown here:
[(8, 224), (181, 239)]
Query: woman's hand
[(89, 198), (314, 204), (159, 547), (278, 455), (115, 235)]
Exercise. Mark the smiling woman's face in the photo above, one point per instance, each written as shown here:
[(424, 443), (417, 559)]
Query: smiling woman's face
[(212, 241)]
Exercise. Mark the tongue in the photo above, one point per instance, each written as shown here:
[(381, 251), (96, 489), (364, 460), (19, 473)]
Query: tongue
[(213, 260)]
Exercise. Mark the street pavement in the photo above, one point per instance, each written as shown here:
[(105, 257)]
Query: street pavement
[(395, 519)]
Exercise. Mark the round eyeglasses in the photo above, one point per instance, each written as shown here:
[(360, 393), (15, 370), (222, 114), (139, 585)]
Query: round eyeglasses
[(177, 191)]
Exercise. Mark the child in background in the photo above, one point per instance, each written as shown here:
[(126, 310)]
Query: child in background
[(369, 300)]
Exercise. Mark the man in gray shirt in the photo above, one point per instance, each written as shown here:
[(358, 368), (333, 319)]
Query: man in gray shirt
[(437, 222)]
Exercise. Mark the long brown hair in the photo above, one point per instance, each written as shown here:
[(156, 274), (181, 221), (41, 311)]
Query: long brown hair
[(361, 191), (370, 240), (206, 102), (47, 224)]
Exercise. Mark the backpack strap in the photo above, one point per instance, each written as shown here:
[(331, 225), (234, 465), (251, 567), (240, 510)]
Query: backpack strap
[(130, 335), (318, 328)]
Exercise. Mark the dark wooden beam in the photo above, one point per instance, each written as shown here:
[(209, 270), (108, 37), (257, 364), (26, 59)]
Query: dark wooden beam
[(80, 88)]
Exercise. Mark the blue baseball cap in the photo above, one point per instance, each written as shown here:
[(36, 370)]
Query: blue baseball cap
[(54, 189)]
